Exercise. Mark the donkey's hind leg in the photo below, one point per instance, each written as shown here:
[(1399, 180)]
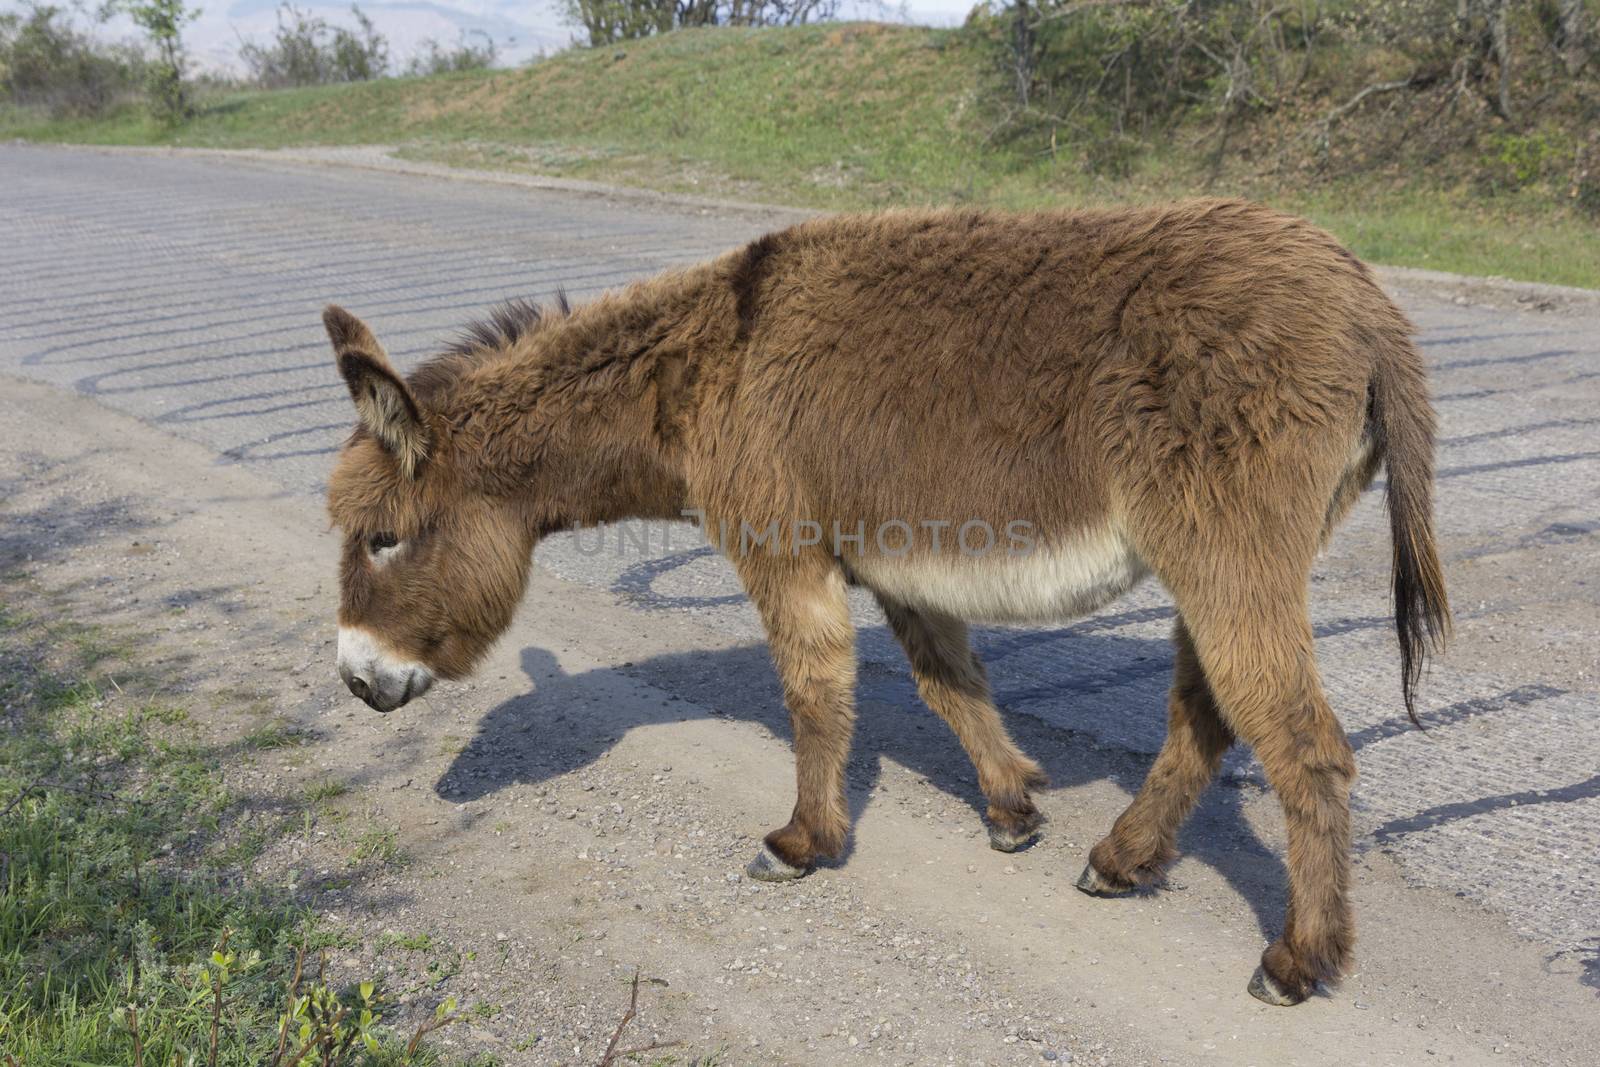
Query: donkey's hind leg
[(1143, 840), (1254, 643), (952, 682), (802, 603)]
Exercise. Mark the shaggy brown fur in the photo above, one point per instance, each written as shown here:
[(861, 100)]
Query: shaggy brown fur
[(1198, 391)]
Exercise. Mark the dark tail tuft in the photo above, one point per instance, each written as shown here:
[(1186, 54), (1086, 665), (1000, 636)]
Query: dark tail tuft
[(1402, 417)]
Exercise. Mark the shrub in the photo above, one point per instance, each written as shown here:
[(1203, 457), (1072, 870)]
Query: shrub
[(1127, 73), (1522, 159), (1330, 87), (46, 61), (474, 51), (608, 21), (306, 50)]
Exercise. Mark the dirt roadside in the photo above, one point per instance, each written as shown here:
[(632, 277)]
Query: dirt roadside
[(567, 821)]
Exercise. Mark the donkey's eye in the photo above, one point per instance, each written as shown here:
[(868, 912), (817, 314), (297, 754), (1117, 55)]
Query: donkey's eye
[(380, 541)]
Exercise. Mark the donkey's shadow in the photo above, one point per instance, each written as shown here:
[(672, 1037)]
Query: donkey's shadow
[(569, 721)]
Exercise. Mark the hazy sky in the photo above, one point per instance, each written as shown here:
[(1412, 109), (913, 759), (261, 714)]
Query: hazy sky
[(520, 27)]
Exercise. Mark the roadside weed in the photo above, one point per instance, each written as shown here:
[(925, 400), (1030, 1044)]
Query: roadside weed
[(127, 932)]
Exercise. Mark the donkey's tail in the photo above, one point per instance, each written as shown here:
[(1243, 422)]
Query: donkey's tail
[(1401, 417)]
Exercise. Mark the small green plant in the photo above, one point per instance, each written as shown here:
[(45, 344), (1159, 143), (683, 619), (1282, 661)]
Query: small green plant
[(443, 968), (328, 1028), (325, 790), (378, 844), (409, 942), (273, 735), (443, 1016)]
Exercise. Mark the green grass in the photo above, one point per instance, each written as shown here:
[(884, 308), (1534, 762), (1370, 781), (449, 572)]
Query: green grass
[(317, 793), (1452, 232), (274, 735), (409, 942), (122, 920), (837, 116), (378, 845)]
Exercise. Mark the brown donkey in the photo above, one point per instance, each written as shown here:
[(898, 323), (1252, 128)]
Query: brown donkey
[(977, 416)]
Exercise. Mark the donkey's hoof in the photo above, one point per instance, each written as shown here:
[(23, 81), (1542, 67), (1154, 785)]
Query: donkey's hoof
[(1266, 989), (1003, 840), (1095, 884), (767, 867)]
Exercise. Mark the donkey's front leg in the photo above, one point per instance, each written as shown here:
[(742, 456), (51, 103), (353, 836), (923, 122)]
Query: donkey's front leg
[(807, 617)]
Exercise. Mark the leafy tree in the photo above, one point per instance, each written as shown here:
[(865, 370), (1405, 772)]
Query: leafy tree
[(162, 22)]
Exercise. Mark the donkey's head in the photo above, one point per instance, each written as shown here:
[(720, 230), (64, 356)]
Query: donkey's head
[(432, 567)]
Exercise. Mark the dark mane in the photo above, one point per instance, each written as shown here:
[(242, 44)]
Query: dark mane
[(505, 325)]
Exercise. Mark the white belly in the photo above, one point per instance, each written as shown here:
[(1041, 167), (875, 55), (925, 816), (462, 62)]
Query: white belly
[(1053, 582)]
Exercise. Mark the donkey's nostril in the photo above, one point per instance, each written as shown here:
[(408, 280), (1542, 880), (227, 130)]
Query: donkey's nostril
[(359, 687)]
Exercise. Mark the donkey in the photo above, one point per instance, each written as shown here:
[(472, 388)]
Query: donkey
[(1198, 391)]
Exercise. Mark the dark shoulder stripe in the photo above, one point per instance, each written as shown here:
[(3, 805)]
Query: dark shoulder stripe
[(747, 278)]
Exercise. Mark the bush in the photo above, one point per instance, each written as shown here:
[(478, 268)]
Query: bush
[(608, 21), (308, 51), (1517, 160), (46, 61), (474, 51), (1328, 87)]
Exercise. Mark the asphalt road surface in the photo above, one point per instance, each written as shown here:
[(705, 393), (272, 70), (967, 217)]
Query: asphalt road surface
[(185, 291)]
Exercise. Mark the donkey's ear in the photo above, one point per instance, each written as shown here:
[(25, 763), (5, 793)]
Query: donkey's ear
[(383, 402)]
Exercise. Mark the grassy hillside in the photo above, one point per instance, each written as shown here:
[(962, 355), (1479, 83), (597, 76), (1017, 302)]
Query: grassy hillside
[(834, 116)]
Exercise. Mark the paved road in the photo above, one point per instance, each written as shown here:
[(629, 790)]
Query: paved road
[(185, 291)]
